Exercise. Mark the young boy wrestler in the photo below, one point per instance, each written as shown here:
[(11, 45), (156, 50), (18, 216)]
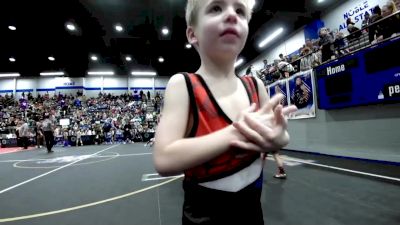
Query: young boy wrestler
[(215, 126)]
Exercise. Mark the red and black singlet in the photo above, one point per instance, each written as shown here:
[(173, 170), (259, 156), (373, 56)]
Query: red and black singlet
[(208, 117)]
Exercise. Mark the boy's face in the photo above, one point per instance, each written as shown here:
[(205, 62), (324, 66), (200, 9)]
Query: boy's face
[(221, 29)]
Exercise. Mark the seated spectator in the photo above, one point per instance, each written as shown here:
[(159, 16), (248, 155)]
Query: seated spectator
[(389, 26), (353, 30), (309, 61), (340, 45), (365, 21), (65, 136), (285, 68), (265, 66), (281, 57), (372, 30)]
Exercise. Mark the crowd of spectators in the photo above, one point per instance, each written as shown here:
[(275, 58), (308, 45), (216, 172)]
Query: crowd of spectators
[(105, 119)]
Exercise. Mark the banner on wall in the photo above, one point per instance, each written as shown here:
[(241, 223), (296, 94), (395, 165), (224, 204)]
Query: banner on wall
[(279, 86), (301, 94), (298, 90)]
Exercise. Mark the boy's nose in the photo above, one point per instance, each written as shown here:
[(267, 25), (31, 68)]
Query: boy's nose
[(231, 16)]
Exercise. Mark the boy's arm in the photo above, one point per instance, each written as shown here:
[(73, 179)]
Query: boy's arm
[(172, 152)]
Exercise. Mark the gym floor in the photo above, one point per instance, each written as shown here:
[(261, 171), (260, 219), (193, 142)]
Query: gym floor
[(117, 184)]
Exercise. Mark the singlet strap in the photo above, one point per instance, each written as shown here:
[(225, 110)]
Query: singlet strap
[(251, 86), (192, 103)]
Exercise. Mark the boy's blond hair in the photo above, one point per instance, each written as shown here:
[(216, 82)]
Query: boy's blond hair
[(192, 10)]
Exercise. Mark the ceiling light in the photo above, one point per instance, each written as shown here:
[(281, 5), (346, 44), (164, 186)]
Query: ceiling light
[(319, 1), (52, 74), (51, 58), (188, 46), (70, 26), (165, 31), (11, 59), (94, 58), (161, 59), (100, 73), (128, 58), (270, 37), (119, 28), (12, 27), (10, 74), (143, 73), (239, 62)]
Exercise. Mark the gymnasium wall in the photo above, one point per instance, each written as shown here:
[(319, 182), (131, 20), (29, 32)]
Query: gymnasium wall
[(7, 86), (369, 132), (115, 85), (44, 85), (92, 86), (25, 85), (68, 85)]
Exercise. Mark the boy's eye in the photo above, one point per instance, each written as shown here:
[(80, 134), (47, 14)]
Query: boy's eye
[(215, 8), (240, 11)]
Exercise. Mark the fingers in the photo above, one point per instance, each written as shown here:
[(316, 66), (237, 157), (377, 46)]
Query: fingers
[(250, 134), (280, 114), (282, 138), (256, 132), (289, 109), (278, 110), (279, 118), (271, 104), (252, 108), (265, 130), (261, 127)]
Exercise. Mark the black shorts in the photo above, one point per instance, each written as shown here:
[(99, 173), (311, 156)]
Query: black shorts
[(208, 206)]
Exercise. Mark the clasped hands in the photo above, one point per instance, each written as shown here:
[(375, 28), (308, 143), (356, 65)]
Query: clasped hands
[(263, 130)]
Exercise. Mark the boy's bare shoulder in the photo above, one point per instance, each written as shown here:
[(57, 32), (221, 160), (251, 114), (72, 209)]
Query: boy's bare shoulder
[(176, 79), (176, 87), (259, 82)]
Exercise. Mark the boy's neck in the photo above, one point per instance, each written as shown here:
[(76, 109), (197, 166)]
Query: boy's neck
[(217, 69)]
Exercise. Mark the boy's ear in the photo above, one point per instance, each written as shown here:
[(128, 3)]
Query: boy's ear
[(190, 35)]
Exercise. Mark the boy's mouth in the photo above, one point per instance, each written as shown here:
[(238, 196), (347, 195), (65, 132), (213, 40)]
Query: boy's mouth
[(230, 31)]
